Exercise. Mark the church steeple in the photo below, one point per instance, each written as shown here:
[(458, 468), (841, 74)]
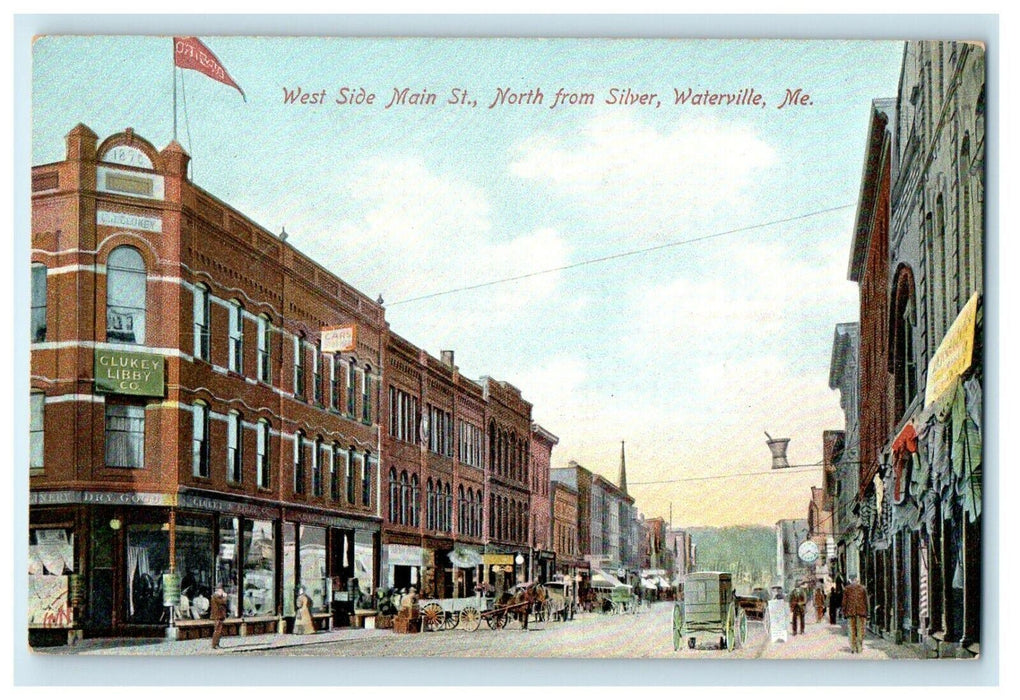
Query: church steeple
[(623, 469)]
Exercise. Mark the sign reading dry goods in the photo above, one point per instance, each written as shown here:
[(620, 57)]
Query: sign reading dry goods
[(955, 353), (135, 373)]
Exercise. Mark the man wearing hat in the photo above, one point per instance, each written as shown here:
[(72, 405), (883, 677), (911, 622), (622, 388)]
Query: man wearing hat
[(855, 610), (798, 602)]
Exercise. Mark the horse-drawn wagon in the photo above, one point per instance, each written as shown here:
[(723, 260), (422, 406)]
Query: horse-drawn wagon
[(709, 608)]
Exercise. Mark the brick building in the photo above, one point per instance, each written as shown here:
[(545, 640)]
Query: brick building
[(542, 443), (564, 506), (435, 458), (507, 481), (191, 425)]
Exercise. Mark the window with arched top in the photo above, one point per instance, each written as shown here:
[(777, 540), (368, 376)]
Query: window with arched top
[(317, 468), (394, 496), (262, 468), (200, 439), (415, 501), (903, 353), (125, 296), (201, 312), (299, 462), (430, 506), (405, 498), (235, 334), (234, 452)]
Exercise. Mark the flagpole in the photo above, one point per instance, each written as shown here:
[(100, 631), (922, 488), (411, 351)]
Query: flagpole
[(174, 69)]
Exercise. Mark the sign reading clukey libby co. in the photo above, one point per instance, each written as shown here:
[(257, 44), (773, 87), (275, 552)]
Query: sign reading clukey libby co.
[(135, 373)]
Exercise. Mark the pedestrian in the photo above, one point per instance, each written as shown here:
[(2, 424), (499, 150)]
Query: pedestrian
[(835, 603), (798, 602), (819, 602), (855, 610), (218, 613)]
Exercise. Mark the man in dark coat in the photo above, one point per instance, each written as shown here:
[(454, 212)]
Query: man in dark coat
[(855, 610), (798, 602), (218, 613), (835, 602)]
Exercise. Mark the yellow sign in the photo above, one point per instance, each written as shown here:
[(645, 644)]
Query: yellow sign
[(955, 353), (339, 338), (498, 559)]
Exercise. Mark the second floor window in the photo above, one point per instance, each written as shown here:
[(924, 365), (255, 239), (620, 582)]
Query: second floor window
[(264, 369), (366, 393), (234, 452), (262, 454), (317, 377), (350, 388), (200, 440), (200, 313), (38, 302), (334, 473), (349, 477), (236, 359), (299, 463), (125, 296), (36, 430), (125, 436), (367, 469), (299, 368), (334, 384), (317, 469)]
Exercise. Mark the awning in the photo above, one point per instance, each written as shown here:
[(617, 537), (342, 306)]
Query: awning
[(465, 557), (602, 579)]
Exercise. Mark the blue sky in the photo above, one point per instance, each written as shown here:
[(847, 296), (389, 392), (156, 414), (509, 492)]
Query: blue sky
[(687, 353)]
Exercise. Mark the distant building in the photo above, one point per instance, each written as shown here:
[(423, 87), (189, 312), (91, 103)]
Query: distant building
[(542, 444), (790, 569)]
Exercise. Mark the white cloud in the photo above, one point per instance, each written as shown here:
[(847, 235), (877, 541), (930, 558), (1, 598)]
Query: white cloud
[(637, 180), (406, 231)]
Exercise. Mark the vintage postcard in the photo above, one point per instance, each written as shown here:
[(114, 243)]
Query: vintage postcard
[(639, 348)]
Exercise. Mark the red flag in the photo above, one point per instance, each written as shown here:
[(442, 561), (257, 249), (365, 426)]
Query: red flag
[(192, 54)]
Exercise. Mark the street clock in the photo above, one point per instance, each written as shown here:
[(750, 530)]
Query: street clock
[(808, 552)]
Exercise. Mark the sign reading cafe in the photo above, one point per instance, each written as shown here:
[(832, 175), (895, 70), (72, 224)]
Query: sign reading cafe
[(134, 373)]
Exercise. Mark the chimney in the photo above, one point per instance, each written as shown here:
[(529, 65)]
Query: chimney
[(447, 358)]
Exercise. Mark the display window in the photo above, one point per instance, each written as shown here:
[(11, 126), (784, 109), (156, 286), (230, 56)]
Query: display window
[(227, 567), (148, 558), (289, 568), (50, 565), (195, 564), (259, 568), (313, 574)]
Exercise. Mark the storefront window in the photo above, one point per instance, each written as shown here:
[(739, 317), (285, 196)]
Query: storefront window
[(259, 568), (289, 564), (148, 558), (226, 562), (50, 562), (313, 567), (364, 561), (194, 551)]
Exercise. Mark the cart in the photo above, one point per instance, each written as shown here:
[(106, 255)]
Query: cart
[(708, 609), (438, 614)]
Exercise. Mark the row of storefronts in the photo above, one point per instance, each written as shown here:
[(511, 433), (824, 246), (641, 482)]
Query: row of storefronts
[(908, 499)]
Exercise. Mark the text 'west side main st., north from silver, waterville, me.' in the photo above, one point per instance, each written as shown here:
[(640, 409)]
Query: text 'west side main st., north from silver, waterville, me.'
[(399, 97)]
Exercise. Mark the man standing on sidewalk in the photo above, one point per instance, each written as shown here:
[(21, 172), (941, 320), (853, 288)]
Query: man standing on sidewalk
[(798, 602), (218, 613), (855, 610)]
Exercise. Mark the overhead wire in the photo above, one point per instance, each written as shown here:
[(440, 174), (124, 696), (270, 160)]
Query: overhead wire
[(623, 254)]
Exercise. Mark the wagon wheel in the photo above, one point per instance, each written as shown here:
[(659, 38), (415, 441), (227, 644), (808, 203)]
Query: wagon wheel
[(546, 611), (496, 620), (432, 617), (741, 629), (678, 626), (470, 619), (730, 628), (452, 620)]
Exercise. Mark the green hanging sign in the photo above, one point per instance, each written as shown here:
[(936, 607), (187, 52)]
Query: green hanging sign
[(133, 373)]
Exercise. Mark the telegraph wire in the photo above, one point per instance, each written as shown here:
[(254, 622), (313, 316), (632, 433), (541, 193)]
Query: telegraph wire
[(725, 476), (624, 254)]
